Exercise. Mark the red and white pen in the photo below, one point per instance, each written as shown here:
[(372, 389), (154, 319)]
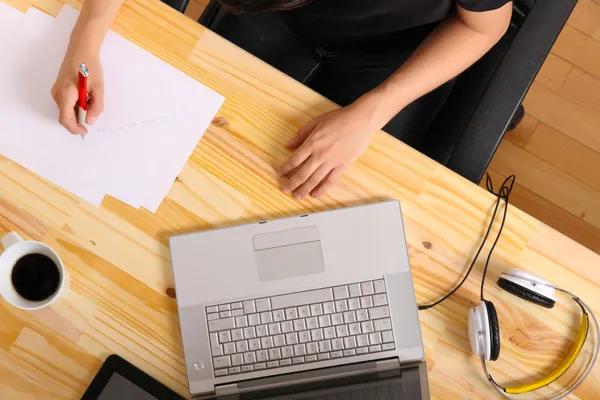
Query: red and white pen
[(83, 96)]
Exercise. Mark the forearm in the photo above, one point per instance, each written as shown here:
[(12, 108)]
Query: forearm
[(93, 24), (445, 53)]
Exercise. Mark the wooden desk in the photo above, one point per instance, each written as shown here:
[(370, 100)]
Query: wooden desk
[(119, 260)]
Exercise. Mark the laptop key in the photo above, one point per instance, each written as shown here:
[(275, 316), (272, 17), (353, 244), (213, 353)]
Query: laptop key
[(291, 313), (262, 356), (337, 344), (224, 307), (214, 339), (312, 348), (249, 307), (367, 288), (324, 321), (229, 348), (287, 327), (274, 329), (329, 333), (298, 360), (335, 354), (212, 309), (311, 323), (241, 321), (324, 346), (304, 312), (236, 305), (329, 307), (254, 344), (237, 313), (387, 336), (383, 324), (249, 332), (380, 300), (316, 310), (299, 350), (221, 324), (285, 362), (263, 305), (354, 329), (235, 370), (304, 337), (279, 341), (341, 330), (221, 362), (212, 317), (379, 312), (273, 364), (217, 351), (312, 358), (362, 350), (341, 292), (266, 342), (374, 349), (221, 372), (287, 351), (362, 315), (253, 319), (350, 352), (354, 303), (341, 306), (367, 327), (316, 334), (349, 342), (236, 334), (375, 338), (259, 366), (274, 354), (362, 340), (249, 358), (266, 317), (261, 331), (354, 290), (388, 346), (349, 317), (278, 316), (366, 302), (379, 286), (224, 337), (241, 346), (237, 359), (323, 356), (291, 338), (247, 368)]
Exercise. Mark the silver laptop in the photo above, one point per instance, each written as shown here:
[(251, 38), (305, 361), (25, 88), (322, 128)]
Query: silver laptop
[(310, 298)]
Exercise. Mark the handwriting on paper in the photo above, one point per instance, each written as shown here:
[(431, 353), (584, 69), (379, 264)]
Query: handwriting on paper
[(131, 126)]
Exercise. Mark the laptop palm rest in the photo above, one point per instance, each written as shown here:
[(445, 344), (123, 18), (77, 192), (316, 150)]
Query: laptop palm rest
[(288, 254)]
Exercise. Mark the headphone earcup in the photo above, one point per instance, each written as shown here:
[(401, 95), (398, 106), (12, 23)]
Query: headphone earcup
[(525, 293), (494, 330)]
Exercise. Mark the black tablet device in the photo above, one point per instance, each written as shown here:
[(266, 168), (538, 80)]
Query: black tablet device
[(118, 379)]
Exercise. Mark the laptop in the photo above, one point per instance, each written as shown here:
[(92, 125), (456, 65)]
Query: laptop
[(316, 299)]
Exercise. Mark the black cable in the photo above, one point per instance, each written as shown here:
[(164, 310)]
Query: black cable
[(503, 193)]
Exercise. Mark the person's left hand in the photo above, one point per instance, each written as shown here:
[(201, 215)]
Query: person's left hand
[(325, 147)]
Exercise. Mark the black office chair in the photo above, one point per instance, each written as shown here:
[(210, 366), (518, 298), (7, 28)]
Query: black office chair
[(179, 5), (486, 98)]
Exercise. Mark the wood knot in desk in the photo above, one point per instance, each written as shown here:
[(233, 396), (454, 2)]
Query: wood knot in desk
[(171, 292), (427, 245), (220, 121)]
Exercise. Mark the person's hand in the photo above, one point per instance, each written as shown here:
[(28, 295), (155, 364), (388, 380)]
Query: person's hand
[(325, 147), (65, 90)]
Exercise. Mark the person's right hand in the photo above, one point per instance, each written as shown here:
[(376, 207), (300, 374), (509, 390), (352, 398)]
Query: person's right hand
[(65, 91)]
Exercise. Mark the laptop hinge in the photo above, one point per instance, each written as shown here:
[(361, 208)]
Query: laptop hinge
[(307, 377)]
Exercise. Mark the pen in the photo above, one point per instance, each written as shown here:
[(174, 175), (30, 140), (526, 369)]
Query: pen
[(83, 96)]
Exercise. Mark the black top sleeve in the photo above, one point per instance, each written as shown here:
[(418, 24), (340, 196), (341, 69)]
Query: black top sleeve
[(481, 5)]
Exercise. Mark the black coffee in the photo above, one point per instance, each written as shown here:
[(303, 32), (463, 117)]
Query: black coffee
[(35, 277)]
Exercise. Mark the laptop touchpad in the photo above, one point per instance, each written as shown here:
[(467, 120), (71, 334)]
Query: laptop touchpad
[(287, 254)]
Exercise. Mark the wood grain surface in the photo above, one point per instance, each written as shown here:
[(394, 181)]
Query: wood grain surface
[(118, 257)]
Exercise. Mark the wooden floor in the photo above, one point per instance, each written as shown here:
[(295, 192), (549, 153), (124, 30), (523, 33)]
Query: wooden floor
[(555, 151)]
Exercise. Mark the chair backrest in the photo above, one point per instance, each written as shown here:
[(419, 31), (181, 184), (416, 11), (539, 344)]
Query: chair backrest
[(179, 5)]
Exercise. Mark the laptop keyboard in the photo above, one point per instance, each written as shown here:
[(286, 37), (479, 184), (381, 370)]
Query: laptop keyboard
[(299, 328)]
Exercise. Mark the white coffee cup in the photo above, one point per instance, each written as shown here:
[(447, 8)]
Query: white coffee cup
[(14, 249)]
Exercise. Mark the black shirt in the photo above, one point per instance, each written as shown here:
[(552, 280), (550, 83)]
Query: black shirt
[(345, 23)]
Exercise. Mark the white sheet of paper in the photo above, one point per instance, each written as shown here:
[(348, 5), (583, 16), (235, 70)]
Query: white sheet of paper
[(10, 18), (153, 118), (32, 31), (164, 110)]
